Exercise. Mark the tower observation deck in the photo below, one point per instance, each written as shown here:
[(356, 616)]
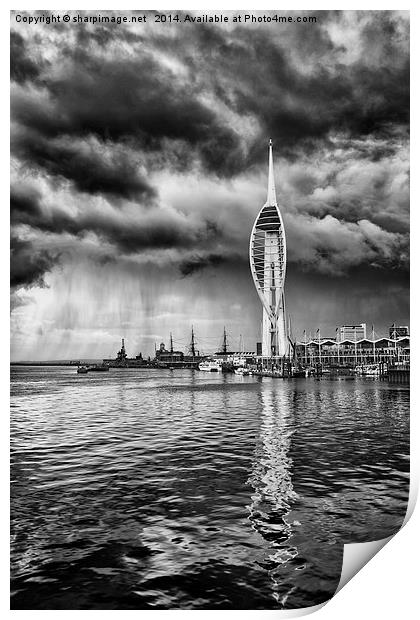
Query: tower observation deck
[(267, 256)]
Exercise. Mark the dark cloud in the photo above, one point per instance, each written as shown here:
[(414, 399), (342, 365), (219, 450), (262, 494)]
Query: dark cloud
[(87, 164), (22, 67), (128, 235), (299, 84), (336, 246), (89, 36), (104, 111), (302, 108), (135, 98), (199, 262), (136, 101), (29, 264)]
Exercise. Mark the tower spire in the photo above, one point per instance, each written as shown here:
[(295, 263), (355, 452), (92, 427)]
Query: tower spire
[(271, 191), (267, 254)]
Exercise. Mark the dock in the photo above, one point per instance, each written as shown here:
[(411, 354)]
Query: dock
[(397, 374)]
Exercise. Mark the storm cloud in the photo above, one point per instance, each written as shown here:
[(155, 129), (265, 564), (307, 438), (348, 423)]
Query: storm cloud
[(146, 144), (28, 263), (126, 231)]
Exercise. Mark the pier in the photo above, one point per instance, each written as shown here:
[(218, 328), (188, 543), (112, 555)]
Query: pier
[(399, 374)]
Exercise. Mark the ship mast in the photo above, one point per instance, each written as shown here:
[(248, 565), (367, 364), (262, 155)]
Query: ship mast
[(224, 346), (192, 346)]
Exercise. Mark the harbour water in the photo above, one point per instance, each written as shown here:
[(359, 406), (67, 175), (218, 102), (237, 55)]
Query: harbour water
[(159, 489)]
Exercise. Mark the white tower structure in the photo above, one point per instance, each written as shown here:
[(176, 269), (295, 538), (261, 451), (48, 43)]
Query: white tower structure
[(267, 255)]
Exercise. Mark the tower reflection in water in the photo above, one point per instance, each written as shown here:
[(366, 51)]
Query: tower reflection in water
[(271, 478)]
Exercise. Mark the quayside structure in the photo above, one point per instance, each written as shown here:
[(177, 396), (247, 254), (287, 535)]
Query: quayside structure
[(267, 256)]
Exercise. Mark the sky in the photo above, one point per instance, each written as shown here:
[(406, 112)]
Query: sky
[(139, 164)]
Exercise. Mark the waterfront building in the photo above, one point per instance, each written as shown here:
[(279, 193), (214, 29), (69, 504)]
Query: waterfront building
[(331, 352), (236, 358), (168, 357), (267, 256), (177, 359), (399, 331), (352, 332)]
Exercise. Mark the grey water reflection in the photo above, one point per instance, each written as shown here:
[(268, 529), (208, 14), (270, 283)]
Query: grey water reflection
[(180, 490), (271, 478)]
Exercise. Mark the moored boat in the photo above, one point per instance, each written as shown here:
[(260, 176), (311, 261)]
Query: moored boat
[(82, 370), (368, 369), (300, 372), (210, 366), (98, 368)]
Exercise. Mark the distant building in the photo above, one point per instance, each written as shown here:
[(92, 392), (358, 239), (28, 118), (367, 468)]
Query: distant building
[(168, 357), (177, 359), (352, 332), (236, 358), (352, 352), (399, 331), (123, 361)]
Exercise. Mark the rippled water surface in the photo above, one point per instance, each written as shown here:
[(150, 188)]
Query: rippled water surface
[(151, 489)]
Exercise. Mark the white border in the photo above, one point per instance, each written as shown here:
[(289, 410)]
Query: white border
[(387, 586)]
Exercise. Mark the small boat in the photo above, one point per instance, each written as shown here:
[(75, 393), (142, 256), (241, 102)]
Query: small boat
[(210, 366), (98, 368), (242, 371), (82, 370), (372, 370), (298, 373)]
